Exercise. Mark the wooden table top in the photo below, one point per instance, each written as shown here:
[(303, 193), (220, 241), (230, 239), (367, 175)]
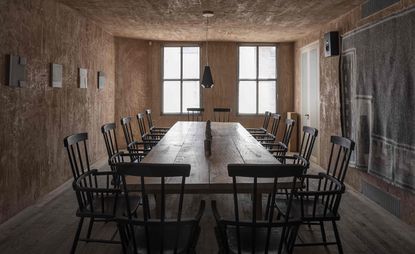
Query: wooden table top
[(231, 143)]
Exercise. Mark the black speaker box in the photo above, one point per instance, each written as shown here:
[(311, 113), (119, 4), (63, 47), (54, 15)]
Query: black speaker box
[(331, 44)]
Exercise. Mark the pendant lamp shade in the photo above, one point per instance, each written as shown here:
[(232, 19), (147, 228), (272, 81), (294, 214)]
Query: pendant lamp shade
[(207, 80)]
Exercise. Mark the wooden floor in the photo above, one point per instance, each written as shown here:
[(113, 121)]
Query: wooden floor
[(49, 227)]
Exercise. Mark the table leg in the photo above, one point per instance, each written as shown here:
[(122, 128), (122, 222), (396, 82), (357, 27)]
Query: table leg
[(258, 207), (158, 204)]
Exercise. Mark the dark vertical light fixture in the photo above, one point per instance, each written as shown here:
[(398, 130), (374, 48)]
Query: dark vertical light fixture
[(207, 80)]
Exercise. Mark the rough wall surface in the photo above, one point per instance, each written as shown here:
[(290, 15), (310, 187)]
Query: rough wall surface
[(132, 93), (235, 20), (35, 119), (330, 103), (223, 60)]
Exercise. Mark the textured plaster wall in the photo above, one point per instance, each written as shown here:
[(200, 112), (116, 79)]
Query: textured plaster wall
[(223, 60), (133, 93), (330, 103), (35, 119)]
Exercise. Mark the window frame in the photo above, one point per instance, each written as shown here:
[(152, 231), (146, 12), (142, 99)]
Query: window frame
[(257, 79), (181, 79)]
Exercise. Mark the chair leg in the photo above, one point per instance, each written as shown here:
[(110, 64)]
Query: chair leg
[(323, 232), (338, 241), (91, 223), (268, 206), (78, 232)]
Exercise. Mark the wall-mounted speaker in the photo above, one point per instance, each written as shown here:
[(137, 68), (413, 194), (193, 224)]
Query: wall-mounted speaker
[(331, 44)]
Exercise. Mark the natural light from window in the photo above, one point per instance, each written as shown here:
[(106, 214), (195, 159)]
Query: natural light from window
[(181, 79), (257, 81)]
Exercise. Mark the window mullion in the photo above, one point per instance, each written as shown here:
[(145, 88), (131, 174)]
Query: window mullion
[(181, 80), (257, 80)]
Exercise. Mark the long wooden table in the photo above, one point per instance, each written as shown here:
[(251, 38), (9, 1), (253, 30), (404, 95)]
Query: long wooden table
[(231, 143)]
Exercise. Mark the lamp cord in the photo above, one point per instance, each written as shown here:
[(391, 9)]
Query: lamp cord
[(207, 43)]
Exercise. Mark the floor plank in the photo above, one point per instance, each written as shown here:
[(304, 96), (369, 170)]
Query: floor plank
[(49, 227)]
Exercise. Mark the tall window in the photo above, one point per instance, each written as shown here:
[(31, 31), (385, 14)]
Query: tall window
[(181, 79), (257, 81)]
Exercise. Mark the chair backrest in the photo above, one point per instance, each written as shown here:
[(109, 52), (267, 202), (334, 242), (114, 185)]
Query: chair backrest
[(307, 142), (128, 131), (76, 145), (114, 155), (154, 174), (141, 125), (258, 172), (149, 119), (289, 125), (267, 116), (341, 150), (110, 138), (275, 123), (195, 114), (221, 114)]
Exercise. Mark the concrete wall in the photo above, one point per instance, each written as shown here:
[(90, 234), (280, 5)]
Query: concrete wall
[(35, 119), (330, 103)]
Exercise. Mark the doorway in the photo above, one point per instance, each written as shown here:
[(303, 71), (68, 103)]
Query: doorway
[(310, 92)]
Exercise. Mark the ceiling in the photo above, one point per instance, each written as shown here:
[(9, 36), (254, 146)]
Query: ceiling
[(234, 20)]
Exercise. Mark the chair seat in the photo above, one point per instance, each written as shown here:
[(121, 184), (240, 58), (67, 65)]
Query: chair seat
[(103, 207), (186, 235), (308, 210), (260, 241)]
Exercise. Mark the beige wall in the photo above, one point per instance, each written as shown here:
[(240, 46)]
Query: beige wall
[(35, 119), (330, 103), (132, 93), (223, 60)]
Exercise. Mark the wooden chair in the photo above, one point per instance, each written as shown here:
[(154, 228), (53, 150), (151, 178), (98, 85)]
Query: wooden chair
[(151, 126), (306, 148), (109, 133), (94, 190), (264, 128), (269, 137), (319, 200), (195, 114), (255, 234), (280, 148), (145, 135), (134, 146), (147, 234), (221, 114)]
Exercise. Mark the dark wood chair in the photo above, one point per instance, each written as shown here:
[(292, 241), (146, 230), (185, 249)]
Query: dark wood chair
[(306, 148), (144, 233), (146, 135), (109, 133), (221, 114), (319, 200), (151, 127), (264, 128), (280, 148), (256, 234), (269, 137), (195, 114), (134, 146), (94, 190)]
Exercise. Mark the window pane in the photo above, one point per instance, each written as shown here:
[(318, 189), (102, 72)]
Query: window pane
[(171, 98), (191, 63), (171, 62), (267, 96), (191, 90), (267, 62), (247, 62), (247, 97)]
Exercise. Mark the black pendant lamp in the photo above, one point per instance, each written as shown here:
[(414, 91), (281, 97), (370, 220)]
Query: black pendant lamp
[(207, 80)]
